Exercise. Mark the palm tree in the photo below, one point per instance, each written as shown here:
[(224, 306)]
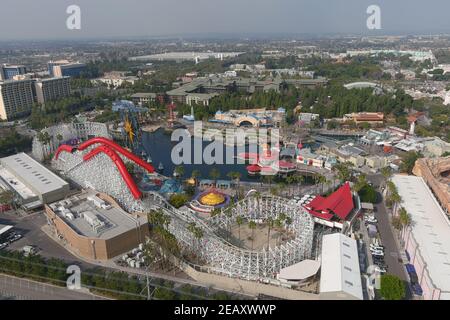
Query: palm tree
[(230, 174), (328, 183), (405, 218), (44, 138), (321, 179), (179, 171), (386, 172), (229, 214), (158, 219), (391, 187), (252, 226), (239, 221), (270, 225), (278, 224), (215, 212), (269, 179), (235, 175), (299, 179), (195, 175), (257, 195), (343, 171), (290, 179), (196, 232), (214, 174), (59, 137), (395, 198), (288, 221), (361, 183)]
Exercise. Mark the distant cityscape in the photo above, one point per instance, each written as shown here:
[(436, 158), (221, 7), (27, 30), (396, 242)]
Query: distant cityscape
[(351, 201)]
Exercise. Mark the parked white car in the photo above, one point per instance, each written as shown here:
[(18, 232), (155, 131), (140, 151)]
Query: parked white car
[(380, 269), (378, 253)]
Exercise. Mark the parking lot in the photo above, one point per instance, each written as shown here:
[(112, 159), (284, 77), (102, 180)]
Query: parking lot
[(29, 227)]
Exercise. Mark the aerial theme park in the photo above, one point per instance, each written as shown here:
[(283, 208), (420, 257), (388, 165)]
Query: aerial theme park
[(101, 164), (271, 158), (231, 224)]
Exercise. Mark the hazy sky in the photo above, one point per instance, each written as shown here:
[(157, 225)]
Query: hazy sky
[(46, 19)]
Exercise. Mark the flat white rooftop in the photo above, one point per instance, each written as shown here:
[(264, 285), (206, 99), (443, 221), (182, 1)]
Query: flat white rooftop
[(340, 266), (117, 221), (430, 228), (32, 173), (4, 228), (13, 183)]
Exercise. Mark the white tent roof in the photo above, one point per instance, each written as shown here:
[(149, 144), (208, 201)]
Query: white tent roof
[(300, 271)]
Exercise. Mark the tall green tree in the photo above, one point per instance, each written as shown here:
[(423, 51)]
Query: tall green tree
[(392, 287), (214, 174), (239, 222)]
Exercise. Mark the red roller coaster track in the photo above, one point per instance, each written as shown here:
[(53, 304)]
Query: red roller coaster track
[(119, 164), (111, 149)]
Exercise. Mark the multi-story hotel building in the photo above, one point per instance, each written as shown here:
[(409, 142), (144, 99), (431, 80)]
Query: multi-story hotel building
[(52, 89), (65, 68), (7, 72), (16, 98)]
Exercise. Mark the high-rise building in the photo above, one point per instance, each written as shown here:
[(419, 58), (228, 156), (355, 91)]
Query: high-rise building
[(64, 68), (7, 72), (16, 98), (52, 64), (52, 89)]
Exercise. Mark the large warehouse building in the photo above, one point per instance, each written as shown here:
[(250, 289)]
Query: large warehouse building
[(32, 183), (427, 240), (94, 226), (340, 277)]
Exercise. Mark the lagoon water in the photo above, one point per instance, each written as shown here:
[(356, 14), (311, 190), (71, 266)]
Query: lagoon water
[(159, 146)]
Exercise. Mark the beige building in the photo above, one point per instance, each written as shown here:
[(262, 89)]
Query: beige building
[(116, 79), (142, 98), (376, 162), (434, 172), (369, 117), (200, 98), (65, 68), (94, 226), (350, 153), (16, 98), (52, 89), (435, 147)]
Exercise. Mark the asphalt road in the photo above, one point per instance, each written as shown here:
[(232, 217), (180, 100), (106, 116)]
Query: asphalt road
[(23, 289), (30, 227), (392, 251)]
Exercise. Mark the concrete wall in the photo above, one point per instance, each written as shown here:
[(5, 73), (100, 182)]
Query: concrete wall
[(430, 292), (248, 287)]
